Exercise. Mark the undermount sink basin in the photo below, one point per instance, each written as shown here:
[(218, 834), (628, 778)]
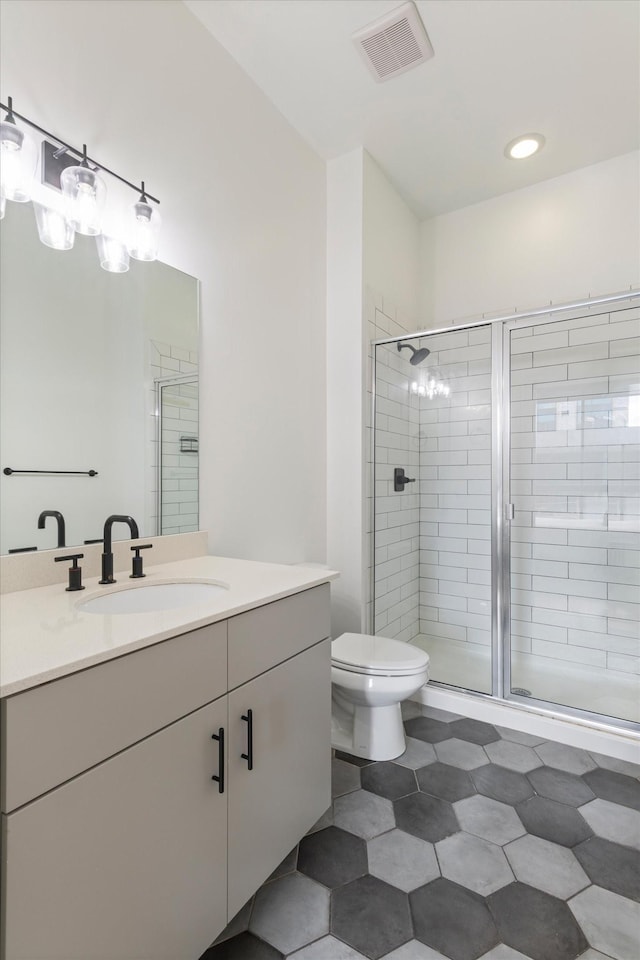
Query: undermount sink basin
[(151, 597)]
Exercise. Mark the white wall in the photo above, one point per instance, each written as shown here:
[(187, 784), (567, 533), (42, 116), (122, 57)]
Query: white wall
[(243, 201), (559, 240)]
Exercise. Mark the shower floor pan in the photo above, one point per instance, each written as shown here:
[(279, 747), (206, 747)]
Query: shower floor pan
[(468, 665)]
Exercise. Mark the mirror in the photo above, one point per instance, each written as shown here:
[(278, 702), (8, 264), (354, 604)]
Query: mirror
[(98, 372)]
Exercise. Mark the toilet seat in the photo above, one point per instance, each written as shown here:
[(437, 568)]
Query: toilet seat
[(377, 656)]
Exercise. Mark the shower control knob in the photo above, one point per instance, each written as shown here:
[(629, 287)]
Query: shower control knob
[(399, 479)]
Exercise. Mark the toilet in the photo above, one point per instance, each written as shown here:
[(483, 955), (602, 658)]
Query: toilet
[(370, 677)]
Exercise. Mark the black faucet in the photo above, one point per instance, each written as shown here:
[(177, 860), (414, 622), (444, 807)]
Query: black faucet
[(60, 521), (107, 556)]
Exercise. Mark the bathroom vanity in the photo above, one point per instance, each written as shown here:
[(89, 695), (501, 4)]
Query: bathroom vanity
[(152, 784)]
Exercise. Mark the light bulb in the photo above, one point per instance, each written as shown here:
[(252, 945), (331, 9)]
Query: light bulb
[(54, 229), (143, 229), (85, 194), (17, 161), (113, 255), (524, 146)]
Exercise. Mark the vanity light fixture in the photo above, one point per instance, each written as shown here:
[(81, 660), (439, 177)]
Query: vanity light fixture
[(17, 158), (81, 205), (524, 146)]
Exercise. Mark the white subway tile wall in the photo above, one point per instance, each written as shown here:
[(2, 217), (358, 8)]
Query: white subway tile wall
[(180, 420), (575, 484)]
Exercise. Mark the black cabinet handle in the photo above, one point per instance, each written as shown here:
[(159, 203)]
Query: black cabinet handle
[(248, 756), (219, 736)]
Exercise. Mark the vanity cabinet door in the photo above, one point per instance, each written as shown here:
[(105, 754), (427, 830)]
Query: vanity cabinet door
[(273, 805), (128, 860)]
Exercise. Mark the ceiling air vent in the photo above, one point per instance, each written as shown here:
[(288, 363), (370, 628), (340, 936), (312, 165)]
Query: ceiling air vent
[(394, 43)]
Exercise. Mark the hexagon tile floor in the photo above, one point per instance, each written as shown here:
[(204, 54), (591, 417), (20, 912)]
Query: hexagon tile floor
[(478, 842)]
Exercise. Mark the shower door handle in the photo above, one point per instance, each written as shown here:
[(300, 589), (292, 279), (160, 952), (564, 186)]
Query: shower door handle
[(399, 479), (510, 511)]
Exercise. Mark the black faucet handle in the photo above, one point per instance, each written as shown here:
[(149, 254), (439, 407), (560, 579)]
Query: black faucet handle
[(75, 572), (136, 571)]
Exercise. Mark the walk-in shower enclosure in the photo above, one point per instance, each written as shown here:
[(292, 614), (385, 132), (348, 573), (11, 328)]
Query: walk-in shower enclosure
[(513, 558)]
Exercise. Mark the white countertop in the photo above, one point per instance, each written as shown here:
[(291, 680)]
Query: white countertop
[(44, 636)]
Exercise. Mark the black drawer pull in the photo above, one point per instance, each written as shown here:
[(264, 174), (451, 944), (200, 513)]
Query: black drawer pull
[(248, 756), (219, 736)]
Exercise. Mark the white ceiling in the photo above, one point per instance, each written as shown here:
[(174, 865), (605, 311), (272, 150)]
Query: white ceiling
[(569, 69)]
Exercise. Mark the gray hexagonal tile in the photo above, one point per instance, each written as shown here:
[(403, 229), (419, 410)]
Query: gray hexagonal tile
[(332, 857), (404, 861), (561, 786), (388, 780), (554, 821), (611, 922), (519, 736), (448, 783), (475, 731), (345, 777), (414, 950), (488, 819), (371, 916), (535, 923), (364, 814), (327, 949), (291, 912), (418, 754), (425, 817), (503, 952), (501, 784), (563, 757), (427, 729), (452, 919), (514, 756), (616, 787), (474, 863), (546, 866), (243, 947), (459, 753), (610, 866), (326, 820), (618, 766), (613, 822)]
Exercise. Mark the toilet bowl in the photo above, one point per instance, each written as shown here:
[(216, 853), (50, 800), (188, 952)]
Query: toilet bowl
[(370, 677)]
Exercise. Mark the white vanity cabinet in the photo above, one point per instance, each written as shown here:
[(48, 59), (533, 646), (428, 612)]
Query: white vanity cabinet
[(116, 841)]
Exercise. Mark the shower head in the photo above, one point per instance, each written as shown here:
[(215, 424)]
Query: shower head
[(417, 355)]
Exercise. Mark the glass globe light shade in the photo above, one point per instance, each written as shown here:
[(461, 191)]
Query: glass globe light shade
[(85, 194), (143, 230), (18, 158), (113, 255), (54, 229)]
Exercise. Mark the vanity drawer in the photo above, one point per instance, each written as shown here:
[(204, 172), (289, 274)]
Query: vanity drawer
[(262, 638), (57, 730)]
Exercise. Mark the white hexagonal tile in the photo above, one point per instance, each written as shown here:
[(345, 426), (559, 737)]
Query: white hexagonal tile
[(613, 822), (327, 949), (474, 863), (291, 912), (460, 753), (489, 819), (364, 814), (563, 757), (514, 756), (417, 754), (610, 923), (547, 866), (404, 861)]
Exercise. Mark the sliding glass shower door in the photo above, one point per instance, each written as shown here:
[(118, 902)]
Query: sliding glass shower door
[(506, 506), (573, 495)]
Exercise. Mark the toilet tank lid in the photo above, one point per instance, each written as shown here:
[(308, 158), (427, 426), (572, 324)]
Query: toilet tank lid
[(378, 653)]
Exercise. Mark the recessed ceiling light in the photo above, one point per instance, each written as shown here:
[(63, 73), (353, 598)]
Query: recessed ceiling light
[(524, 146)]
